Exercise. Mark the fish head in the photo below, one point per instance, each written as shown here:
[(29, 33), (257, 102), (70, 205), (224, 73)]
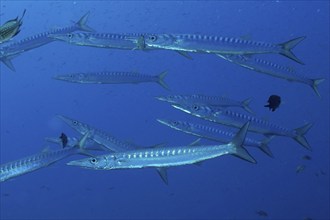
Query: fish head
[(71, 77), (96, 163), (178, 125), (73, 38), (171, 98), (159, 40), (76, 125), (195, 109)]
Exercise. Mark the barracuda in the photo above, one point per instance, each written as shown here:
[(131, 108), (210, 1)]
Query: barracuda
[(113, 78), (235, 119), (10, 50), (167, 156), (38, 161), (207, 100), (102, 40), (214, 134), (107, 140), (273, 69), (219, 45), (11, 28)]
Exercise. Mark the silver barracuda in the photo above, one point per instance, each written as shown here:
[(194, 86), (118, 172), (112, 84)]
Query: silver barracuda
[(35, 162), (273, 69), (220, 45), (219, 101), (113, 78), (236, 119), (102, 40), (11, 28), (214, 134), (107, 140), (10, 50), (167, 156)]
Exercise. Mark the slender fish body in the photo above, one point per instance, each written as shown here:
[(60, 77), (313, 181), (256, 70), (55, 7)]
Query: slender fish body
[(272, 69), (99, 136), (214, 134), (113, 78), (11, 50), (102, 40), (219, 45), (219, 101), (107, 140), (167, 156), (35, 162), (236, 119), (11, 28)]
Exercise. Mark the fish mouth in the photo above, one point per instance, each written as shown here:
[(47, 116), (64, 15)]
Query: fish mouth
[(162, 98), (181, 108), (56, 36), (78, 163), (163, 121)]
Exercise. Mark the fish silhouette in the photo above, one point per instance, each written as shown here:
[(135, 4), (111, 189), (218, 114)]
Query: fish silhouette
[(274, 102)]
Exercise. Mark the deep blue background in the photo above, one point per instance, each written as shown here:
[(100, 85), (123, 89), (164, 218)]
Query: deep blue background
[(223, 188)]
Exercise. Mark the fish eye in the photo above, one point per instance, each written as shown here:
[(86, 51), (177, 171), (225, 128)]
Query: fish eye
[(75, 122), (195, 107), (70, 35), (93, 160), (152, 38), (175, 122)]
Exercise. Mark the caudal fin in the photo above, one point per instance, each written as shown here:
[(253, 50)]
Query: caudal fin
[(81, 24), (288, 46), (316, 82), (300, 138), (237, 144), (161, 81), (245, 105)]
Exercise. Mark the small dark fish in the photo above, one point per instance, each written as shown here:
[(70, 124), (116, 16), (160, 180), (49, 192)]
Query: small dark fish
[(11, 28), (274, 102), (262, 213), (64, 140), (306, 157)]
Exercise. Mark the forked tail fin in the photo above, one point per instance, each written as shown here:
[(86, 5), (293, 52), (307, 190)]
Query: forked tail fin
[(81, 24), (237, 144), (161, 81), (288, 46), (245, 105), (300, 138), (316, 82)]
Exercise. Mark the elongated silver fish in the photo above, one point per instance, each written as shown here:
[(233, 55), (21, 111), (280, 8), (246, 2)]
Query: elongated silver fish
[(219, 101), (107, 140), (35, 162), (273, 69), (167, 156), (217, 44), (113, 78), (11, 28), (236, 119), (102, 40), (10, 50), (214, 133)]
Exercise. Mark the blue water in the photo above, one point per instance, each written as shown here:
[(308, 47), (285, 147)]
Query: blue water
[(222, 188)]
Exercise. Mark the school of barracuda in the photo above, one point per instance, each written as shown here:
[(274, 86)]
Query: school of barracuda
[(106, 152)]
